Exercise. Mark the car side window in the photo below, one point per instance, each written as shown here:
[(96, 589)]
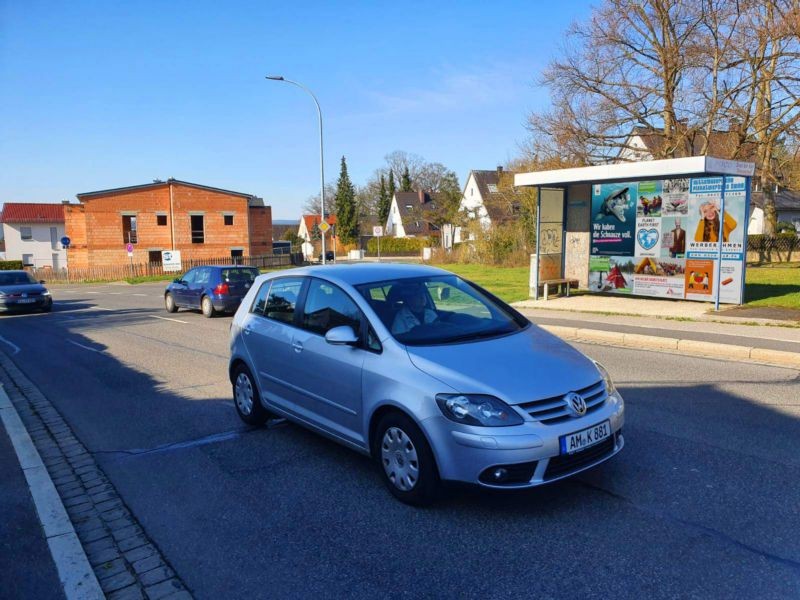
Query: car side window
[(328, 306), (189, 276), (282, 299), (260, 303), (203, 276)]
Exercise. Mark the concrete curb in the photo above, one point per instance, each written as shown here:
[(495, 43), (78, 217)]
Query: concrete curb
[(74, 571), (778, 358)]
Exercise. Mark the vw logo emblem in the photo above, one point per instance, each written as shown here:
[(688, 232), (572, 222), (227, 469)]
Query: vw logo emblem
[(576, 404)]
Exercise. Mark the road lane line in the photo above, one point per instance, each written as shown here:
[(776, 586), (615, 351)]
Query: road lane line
[(85, 347), (168, 319), (74, 571), (138, 294), (14, 347), (92, 292)]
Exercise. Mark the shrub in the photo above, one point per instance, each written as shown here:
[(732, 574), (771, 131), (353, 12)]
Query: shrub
[(390, 245), (10, 265)]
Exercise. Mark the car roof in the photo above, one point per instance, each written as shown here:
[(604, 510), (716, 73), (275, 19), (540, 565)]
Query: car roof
[(358, 273), (225, 267)]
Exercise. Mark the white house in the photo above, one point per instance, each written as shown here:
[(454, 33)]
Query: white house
[(484, 200), (787, 205), (33, 233), (407, 215)]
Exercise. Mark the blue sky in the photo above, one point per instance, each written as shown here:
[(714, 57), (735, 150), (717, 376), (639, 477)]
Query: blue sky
[(96, 95)]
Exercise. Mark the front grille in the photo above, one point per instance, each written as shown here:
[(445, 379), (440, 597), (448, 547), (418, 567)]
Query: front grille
[(567, 463), (554, 410)]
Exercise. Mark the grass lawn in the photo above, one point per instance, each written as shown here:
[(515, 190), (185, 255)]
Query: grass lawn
[(507, 283), (774, 285)]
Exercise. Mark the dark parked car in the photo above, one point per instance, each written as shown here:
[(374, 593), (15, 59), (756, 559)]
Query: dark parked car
[(212, 289), (20, 291), (330, 256)]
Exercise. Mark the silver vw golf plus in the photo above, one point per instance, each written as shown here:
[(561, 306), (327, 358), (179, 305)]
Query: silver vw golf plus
[(429, 374)]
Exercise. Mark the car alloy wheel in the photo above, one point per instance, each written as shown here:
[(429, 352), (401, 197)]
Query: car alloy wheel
[(399, 459), (246, 399), (207, 307), (169, 302), (243, 394)]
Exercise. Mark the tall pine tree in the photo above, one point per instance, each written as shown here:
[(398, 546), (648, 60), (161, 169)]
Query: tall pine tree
[(405, 181), (391, 191), (384, 203), (346, 210)]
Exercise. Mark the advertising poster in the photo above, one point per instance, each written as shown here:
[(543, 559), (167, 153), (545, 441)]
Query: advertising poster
[(659, 277), (660, 238), (613, 219), (649, 199), (676, 197), (611, 274), (648, 236)]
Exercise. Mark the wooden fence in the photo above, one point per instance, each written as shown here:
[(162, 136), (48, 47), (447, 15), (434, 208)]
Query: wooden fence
[(124, 271)]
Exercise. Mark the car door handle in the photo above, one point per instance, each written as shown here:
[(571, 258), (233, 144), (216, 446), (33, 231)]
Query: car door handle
[(298, 346), (247, 330)]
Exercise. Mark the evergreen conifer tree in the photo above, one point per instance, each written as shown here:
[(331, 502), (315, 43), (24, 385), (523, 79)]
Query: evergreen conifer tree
[(405, 181), (346, 210), (384, 203)]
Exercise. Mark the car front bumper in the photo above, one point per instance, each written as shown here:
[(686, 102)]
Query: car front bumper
[(20, 304), (531, 452)]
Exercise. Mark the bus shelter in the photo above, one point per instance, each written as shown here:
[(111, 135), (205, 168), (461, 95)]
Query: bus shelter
[(673, 228)]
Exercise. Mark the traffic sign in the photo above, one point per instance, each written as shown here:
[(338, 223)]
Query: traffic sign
[(65, 241), (377, 231), (323, 227), (129, 248)]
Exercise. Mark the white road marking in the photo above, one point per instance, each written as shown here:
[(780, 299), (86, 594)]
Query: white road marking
[(76, 574), (114, 293), (85, 347), (103, 308), (13, 346), (92, 292), (138, 294), (168, 319)]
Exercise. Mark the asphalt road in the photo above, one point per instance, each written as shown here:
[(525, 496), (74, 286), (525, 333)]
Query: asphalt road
[(703, 501)]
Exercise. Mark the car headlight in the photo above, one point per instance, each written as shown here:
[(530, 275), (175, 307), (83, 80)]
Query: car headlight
[(477, 409), (610, 387), (2, 294), (45, 293)]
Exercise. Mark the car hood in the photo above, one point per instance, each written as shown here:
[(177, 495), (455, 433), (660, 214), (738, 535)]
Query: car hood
[(525, 366), (26, 288)]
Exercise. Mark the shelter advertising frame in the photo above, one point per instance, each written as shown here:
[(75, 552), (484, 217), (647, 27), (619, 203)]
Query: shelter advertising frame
[(630, 206)]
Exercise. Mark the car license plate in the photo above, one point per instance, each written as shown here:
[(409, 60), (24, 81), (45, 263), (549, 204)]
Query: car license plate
[(26, 300), (575, 442)]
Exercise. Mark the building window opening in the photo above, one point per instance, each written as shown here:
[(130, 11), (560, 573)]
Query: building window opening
[(236, 256), (154, 257), (198, 230), (26, 233), (161, 220), (228, 219), (129, 229)]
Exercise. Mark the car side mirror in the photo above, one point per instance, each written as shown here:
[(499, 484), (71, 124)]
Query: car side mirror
[(41, 281), (177, 280), (341, 336)]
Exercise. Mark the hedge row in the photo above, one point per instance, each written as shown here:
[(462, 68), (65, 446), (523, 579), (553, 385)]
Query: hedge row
[(391, 244), (10, 265)]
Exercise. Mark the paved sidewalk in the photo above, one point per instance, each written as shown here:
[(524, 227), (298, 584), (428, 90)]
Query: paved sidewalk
[(25, 561)]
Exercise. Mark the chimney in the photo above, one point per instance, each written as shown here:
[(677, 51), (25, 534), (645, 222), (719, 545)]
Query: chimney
[(65, 202), (421, 195), (499, 170)]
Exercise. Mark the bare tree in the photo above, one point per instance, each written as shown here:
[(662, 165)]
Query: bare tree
[(313, 205)]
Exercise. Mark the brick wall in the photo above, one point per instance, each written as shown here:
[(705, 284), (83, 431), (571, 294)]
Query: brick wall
[(96, 226), (260, 230)]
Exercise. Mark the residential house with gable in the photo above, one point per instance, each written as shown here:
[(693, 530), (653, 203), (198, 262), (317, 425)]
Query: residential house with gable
[(409, 215), (33, 232), (488, 198)]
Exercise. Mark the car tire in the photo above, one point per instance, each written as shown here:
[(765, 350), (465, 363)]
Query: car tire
[(169, 303), (246, 398), (207, 307), (406, 460), (48, 307)]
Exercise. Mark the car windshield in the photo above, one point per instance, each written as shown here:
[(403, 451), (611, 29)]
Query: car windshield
[(440, 309), (14, 278), (242, 275)]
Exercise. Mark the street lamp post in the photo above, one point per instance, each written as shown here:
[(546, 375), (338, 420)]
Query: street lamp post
[(321, 160)]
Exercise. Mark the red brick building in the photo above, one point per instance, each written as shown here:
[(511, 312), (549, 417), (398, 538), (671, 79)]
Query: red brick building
[(198, 220)]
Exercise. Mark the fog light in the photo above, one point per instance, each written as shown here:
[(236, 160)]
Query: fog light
[(500, 474)]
